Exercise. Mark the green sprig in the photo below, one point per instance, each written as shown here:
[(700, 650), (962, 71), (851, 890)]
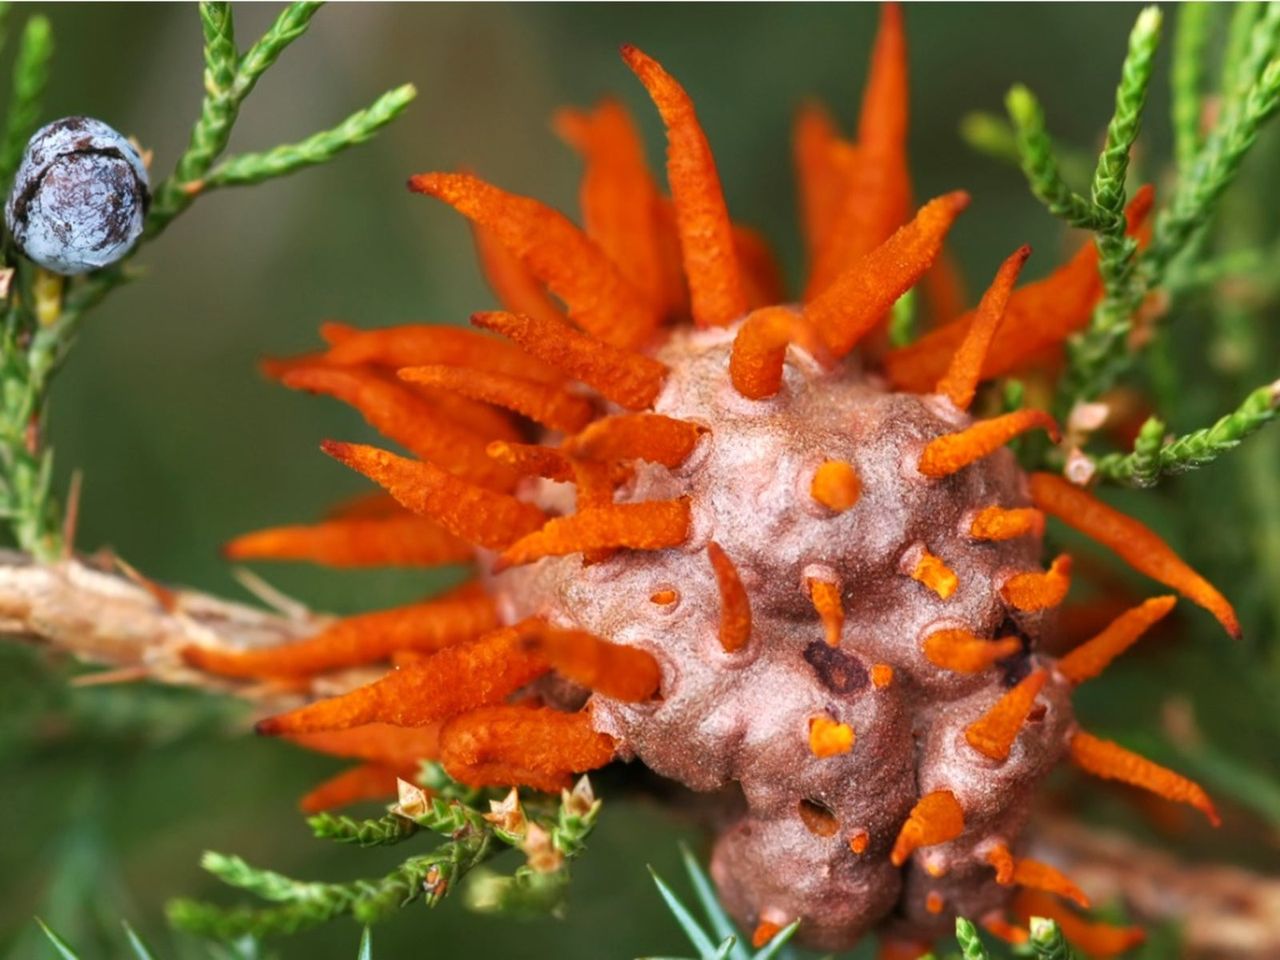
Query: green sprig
[(971, 945), (1047, 942), (319, 148), (30, 77), (1186, 78), (1039, 161), (1153, 457), (383, 832)]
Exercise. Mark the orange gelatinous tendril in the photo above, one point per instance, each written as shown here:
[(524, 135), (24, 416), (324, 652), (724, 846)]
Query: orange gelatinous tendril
[(552, 406), (836, 485), (706, 234), (1134, 542), (936, 575), (366, 638), (828, 737), (765, 931), (877, 196), (453, 681), (1041, 876), (637, 436), (1093, 656), (735, 606), (631, 380), (478, 516), (649, 525), (610, 669), (1111, 761), (950, 452), (398, 414), (514, 284), (393, 541), (537, 740), (936, 818), (599, 298), (1000, 523), (960, 382), (534, 460), (1039, 591), (368, 781), (619, 199), (859, 841), (1003, 863), (760, 350), (820, 179), (826, 600), (993, 734), (856, 300), (379, 743), (962, 652), (881, 675)]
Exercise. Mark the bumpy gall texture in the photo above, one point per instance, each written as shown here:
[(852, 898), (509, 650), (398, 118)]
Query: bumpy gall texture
[(79, 198), (744, 717)]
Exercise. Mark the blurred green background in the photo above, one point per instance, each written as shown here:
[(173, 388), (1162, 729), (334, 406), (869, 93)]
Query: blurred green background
[(183, 444)]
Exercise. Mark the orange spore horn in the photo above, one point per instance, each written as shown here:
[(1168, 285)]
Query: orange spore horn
[(1039, 591), (829, 738), (858, 298), (992, 734), (420, 344), (395, 541), (378, 743), (1037, 316), (950, 452), (962, 652), (960, 382), (735, 605), (629, 379), (514, 284), (1041, 876), (934, 573), (649, 525), (1093, 656), (368, 781), (936, 818), (836, 485), (479, 516), (1095, 939), (1000, 523), (453, 681), (367, 638), (637, 436), (533, 460), (1135, 543), (1003, 863), (552, 406), (1111, 761), (760, 350), (400, 415), (619, 199), (599, 298), (611, 669), (877, 197), (538, 746), (706, 234), (826, 600), (823, 162)]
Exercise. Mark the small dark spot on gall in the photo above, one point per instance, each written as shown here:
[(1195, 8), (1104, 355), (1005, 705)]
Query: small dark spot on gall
[(837, 671)]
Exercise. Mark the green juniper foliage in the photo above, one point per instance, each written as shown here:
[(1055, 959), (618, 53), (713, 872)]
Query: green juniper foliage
[(549, 836), (42, 313)]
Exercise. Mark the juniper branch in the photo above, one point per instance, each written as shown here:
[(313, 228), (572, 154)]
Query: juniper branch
[(1152, 458), (1047, 942), (1040, 163), (1186, 78), (971, 945), (319, 148), (30, 77), (382, 832)]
